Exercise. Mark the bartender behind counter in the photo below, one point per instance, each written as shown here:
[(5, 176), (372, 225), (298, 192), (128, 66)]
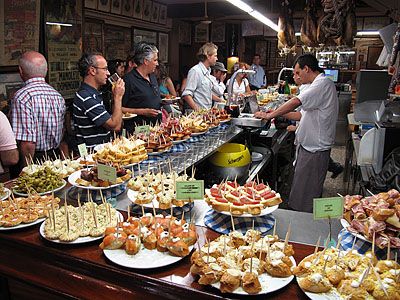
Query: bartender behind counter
[(315, 134), (142, 94)]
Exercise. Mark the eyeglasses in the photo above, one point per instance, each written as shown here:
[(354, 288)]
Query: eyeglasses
[(104, 68)]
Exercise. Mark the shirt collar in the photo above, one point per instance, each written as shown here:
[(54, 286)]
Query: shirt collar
[(88, 87), (35, 79), (204, 69)]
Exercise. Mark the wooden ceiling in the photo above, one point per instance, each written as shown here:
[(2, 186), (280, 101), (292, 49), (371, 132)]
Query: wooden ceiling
[(193, 10)]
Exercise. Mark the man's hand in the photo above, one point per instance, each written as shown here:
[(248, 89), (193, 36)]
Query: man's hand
[(262, 115), (118, 90), (149, 112), (223, 77), (291, 128)]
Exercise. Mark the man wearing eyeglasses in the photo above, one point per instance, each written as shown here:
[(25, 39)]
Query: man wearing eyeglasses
[(92, 122)]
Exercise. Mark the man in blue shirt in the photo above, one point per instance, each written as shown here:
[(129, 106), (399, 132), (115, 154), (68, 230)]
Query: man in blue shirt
[(258, 79)]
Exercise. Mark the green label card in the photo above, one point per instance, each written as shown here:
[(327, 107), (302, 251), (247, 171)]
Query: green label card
[(107, 173), (190, 190), (142, 129), (82, 150), (124, 132), (328, 207)]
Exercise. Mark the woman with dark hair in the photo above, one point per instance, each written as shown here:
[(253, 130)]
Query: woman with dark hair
[(142, 94), (164, 81), (116, 66)]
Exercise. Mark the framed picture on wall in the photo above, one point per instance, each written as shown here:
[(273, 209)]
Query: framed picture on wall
[(154, 12), (147, 6), (163, 47), (162, 16), (185, 33), (104, 5), (116, 6), (90, 3), (147, 36), (201, 33), (138, 9), (218, 32), (127, 8)]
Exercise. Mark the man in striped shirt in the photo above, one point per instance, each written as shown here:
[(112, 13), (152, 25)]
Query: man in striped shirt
[(92, 122), (37, 110)]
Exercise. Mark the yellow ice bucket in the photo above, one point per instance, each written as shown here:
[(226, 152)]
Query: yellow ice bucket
[(231, 155)]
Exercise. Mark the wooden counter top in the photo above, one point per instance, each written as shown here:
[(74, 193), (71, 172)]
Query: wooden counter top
[(82, 271)]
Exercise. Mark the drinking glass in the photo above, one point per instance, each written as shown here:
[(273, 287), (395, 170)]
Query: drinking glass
[(113, 79)]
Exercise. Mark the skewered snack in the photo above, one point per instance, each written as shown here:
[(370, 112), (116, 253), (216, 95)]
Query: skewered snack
[(176, 130), (3, 191), (154, 234), (122, 152), (236, 262), (220, 114), (15, 211), (41, 181), (196, 124), (348, 275), (89, 177), (156, 140), (160, 186), (377, 214), (61, 167), (251, 198), (69, 223)]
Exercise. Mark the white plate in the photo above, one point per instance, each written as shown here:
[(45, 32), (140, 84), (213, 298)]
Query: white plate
[(268, 283), (80, 240), (44, 193), (180, 141), (170, 99), (265, 211), (74, 176), (198, 133), (144, 259), (256, 156), (225, 121), (22, 225), (7, 194), (131, 116), (132, 195), (346, 224), (332, 295)]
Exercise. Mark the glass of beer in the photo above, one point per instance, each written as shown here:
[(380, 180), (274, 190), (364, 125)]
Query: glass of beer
[(113, 79)]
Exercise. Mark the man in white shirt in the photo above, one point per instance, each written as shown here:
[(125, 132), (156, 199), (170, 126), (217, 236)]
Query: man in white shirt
[(198, 92), (315, 134), (258, 79), (218, 76)]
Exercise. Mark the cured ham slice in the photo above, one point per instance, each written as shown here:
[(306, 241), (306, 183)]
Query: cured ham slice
[(308, 28), (286, 35)]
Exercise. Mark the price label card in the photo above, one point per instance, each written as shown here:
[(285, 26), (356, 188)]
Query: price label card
[(142, 129), (124, 132), (325, 208), (107, 173), (193, 190), (82, 150)]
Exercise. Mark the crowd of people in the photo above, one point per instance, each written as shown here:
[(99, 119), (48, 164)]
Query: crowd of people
[(38, 111)]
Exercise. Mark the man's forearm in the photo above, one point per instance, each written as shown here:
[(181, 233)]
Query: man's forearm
[(27, 151), (287, 107), (294, 116), (189, 100)]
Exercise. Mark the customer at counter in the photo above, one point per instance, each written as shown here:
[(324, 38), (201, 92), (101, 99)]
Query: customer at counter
[(218, 76), (142, 94), (316, 133), (92, 122), (257, 80), (8, 146), (241, 84), (165, 82), (37, 111), (198, 92)]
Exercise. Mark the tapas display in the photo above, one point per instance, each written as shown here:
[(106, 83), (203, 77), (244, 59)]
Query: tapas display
[(376, 215)]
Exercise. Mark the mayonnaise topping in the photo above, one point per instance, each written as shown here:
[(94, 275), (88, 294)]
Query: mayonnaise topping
[(234, 272), (307, 264), (316, 277), (355, 284)]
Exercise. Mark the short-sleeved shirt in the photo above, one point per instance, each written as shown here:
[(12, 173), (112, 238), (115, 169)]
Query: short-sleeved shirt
[(7, 139), (37, 114), (89, 116), (199, 85), (320, 106), (257, 79), (141, 93)]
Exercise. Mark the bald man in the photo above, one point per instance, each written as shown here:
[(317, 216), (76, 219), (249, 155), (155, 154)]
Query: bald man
[(37, 110)]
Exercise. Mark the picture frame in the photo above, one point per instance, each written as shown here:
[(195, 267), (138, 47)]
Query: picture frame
[(138, 9), (155, 10), (116, 7), (162, 16), (127, 7), (147, 10), (201, 33), (185, 33), (91, 4), (140, 35), (218, 32), (104, 5), (163, 47)]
